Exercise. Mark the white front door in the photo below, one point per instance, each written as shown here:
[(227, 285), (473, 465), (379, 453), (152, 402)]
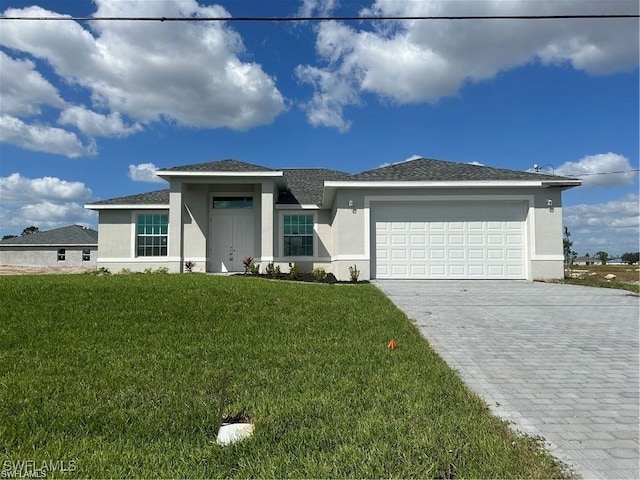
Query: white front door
[(231, 239)]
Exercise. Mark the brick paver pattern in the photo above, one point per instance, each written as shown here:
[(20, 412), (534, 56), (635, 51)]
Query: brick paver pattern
[(559, 361)]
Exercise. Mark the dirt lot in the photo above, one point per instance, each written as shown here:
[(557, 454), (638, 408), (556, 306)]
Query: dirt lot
[(13, 270), (623, 273)]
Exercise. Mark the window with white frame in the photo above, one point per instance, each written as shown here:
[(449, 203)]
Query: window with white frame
[(297, 235), (86, 254), (152, 232), (62, 254)]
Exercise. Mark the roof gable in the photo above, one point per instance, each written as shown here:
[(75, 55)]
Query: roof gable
[(70, 235), (228, 165), (427, 169)]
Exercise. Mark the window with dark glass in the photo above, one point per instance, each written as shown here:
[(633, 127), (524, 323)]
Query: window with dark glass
[(232, 202), (298, 235), (152, 234), (62, 254), (86, 255)]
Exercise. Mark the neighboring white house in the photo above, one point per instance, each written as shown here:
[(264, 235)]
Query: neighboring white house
[(587, 261), (417, 219), (72, 246)]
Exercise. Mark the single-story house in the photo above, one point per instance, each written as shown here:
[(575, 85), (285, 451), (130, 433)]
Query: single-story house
[(587, 261), (421, 218), (71, 246)]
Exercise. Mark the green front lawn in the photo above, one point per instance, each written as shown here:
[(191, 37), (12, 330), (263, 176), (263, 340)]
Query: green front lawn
[(121, 375)]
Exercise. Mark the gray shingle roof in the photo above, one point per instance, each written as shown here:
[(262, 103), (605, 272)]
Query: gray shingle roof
[(228, 165), (157, 197), (306, 185), (71, 235), (426, 169)]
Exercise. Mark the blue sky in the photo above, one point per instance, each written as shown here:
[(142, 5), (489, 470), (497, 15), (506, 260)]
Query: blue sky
[(89, 110)]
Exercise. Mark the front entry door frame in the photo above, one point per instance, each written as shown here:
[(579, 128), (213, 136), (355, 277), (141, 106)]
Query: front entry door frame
[(231, 238)]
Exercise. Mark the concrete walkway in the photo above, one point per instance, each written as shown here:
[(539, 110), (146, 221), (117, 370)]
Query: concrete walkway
[(560, 361)]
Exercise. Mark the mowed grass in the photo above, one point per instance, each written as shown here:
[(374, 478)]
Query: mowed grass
[(122, 376)]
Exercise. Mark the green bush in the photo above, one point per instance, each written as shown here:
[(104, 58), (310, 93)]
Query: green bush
[(354, 273), (294, 271), (319, 274)]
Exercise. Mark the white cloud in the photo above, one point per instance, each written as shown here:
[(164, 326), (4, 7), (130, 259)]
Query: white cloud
[(423, 61), (597, 170), (95, 124), (144, 172), (320, 8), (47, 215), (613, 227), (17, 189), (23, 89), (42, 138), (188, 73), (45, 202)]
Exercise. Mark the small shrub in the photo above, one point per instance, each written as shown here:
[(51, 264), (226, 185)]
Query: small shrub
[(125, 271), (160, 271), (294, 271), (188, 266), (277, 273), (319, 274), (247, 261), (354, 273), (269, 270), (254, 268)]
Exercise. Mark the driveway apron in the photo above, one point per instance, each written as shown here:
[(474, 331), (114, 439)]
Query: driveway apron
[(558, 361)]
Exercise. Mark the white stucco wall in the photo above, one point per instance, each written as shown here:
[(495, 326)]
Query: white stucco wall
[(351, 239), (46, 256), (341, 236), (117, 242)]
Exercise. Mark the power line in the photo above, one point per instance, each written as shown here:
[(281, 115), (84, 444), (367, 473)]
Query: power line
[(606, 173), (326, 19)]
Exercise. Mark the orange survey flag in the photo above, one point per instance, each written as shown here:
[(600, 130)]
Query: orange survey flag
[(392, 344)]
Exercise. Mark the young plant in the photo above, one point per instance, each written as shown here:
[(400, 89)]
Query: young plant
[(294, 271), (270, 269), (254, 268), (319, 274), (354, 273), (247, 261), (188, 266), (277, 273)]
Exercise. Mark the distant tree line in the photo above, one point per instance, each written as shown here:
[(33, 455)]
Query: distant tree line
[(26, 231), (570, 255)]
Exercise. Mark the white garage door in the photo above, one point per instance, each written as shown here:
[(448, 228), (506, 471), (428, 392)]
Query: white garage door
[(456, 240)]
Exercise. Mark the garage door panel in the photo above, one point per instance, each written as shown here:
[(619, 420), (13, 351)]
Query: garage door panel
[(457, 254), (456, 270), (437, 254), (449, 240), (476, 254)]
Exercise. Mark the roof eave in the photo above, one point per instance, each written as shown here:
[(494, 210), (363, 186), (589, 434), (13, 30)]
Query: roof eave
[(564, 184), (217, 174), (447, 183), (127, 206), (61, 244)]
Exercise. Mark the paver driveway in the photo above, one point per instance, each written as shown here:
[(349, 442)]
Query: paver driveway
[(560, 361)]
